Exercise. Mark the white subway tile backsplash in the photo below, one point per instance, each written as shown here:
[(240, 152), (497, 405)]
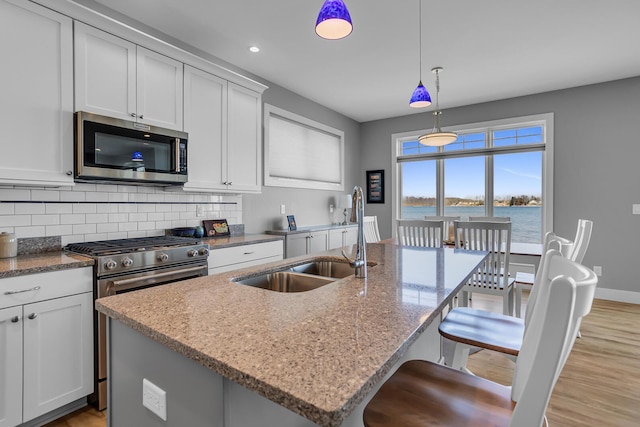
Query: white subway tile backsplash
[(97, 197), (45, 219), (87, 211), (7, 208), (45, 196), (29, 208), (33, 231), (84, 228), (14, 220), (85, 208), (58, 230), (58, 208), (72, 219), (110, 227)]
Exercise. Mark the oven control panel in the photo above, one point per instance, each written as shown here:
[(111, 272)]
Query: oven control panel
[(143, 259)]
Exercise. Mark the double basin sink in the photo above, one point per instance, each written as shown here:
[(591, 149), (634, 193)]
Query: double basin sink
[(299, 278)]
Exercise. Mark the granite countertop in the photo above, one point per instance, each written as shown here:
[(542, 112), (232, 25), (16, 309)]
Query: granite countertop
[(42, 262), (317, 353), (284, 232), (245, 239)]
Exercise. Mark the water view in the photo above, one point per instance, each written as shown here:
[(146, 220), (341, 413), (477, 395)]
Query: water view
[(526, 221)]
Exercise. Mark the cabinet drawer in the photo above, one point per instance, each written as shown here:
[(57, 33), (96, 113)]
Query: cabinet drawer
[(52, 284), (245, 253)]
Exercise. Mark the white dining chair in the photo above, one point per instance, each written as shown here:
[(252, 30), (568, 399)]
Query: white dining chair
[(420, 233), (490, 218), (371, 232), (421, 393), (448, 224), (466, 328), (495, 238)]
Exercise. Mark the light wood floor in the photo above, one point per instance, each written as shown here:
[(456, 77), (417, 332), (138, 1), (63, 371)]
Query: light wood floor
[(599, 386)]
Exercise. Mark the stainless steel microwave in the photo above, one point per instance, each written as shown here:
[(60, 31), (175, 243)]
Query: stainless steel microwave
[(108, 149)]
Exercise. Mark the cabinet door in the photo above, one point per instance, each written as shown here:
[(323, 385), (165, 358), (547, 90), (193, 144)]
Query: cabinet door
[(205, 119), (296, 244), (350, 236), (11, 366), (244, 147), (58, 353), (335, 238), (36, 104), (319, 242), (159, 89), (105, 73)]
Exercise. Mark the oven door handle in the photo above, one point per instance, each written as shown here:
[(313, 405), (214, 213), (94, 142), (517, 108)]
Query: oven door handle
[(124, 284)]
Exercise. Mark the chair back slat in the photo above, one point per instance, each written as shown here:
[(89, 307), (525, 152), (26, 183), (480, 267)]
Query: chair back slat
[(420, 233), (371, 232)]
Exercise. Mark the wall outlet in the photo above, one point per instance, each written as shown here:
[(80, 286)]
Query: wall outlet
[(282, 210), (154, 398), (598, 270), (199, 210), (635, 209), (330, 208)]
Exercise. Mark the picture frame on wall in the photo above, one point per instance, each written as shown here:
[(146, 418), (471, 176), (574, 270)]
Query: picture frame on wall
[(292, 223), (216, 228), (375, 186)]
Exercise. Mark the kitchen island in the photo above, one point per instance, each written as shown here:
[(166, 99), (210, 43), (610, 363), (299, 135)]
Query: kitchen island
[(229, 354)]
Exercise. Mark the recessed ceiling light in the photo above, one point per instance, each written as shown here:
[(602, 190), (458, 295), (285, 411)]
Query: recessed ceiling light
[(254, 49)]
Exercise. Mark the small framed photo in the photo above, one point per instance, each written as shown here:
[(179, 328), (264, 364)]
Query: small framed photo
[(375, 186), (292, 223), (216, 227)]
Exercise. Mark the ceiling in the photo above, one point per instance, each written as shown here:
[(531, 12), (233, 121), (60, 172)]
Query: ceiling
[(490, 50)]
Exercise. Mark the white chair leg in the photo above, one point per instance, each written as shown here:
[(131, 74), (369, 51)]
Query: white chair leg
[(518, 300), (455, 355)]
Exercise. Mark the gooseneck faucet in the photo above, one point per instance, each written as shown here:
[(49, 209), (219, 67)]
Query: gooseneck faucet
[(357, 215)]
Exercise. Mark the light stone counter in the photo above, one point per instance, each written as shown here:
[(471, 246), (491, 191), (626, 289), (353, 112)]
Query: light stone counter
[(317, 353), (41, 262)]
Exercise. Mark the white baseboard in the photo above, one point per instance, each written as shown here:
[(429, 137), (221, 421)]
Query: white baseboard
[(619, 296)]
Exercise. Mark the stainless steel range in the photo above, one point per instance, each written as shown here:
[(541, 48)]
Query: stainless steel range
[(126, 265)]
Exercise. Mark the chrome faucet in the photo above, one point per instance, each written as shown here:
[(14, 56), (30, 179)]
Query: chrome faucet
[(357, 215)]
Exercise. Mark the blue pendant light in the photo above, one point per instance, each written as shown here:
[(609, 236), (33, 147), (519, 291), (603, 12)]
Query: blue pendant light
[(334, 21), (420, 97)]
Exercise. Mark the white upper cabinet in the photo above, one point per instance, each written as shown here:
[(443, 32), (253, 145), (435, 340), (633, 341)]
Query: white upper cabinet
[(223, 122), (116, 78), (36, 105)]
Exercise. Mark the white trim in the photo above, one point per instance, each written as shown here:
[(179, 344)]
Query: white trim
[(630, 297), (546, 119)]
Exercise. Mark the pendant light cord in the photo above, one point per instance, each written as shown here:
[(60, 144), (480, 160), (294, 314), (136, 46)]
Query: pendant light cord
[(420, 37), (437, 111)]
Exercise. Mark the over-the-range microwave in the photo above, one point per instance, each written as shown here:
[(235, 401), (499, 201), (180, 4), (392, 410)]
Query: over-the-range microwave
[(109, 149)]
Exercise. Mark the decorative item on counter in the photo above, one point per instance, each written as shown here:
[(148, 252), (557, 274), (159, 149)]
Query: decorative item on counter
[(292, 223), (199, 232), (183, 231), (8, 245), (346, 202), (216, 227)]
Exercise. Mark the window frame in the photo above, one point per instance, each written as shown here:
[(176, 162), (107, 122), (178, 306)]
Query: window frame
[(545, 120)]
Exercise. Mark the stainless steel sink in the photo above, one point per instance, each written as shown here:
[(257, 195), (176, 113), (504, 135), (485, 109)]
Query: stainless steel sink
[(286, 281), (299, 278)]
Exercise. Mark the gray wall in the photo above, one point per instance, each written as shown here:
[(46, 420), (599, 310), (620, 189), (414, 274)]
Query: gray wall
[(310, 207), (596, 174)]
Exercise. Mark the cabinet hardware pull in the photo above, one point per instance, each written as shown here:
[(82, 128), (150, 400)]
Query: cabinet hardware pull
[(33, 316), (69, 173), (25, 290), (141, 116), (132, 114), (249, 253), (15, 319)]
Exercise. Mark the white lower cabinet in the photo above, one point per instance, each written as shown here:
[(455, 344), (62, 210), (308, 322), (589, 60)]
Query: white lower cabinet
[(46, 343), (341, 237), (235, 257), (306, 243)]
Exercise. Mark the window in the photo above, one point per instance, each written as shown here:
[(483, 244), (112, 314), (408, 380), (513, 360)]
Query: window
[(507, 162), (302, 153)]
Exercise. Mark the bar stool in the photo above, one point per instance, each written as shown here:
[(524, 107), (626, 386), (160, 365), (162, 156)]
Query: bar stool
[(422, 393)]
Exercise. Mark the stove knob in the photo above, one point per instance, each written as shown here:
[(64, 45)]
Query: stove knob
[(192, 253), (162, 257), (110, 264), (203, 251), (127, 262)]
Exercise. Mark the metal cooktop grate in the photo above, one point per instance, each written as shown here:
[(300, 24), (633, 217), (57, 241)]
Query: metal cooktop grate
[(119, 246)]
